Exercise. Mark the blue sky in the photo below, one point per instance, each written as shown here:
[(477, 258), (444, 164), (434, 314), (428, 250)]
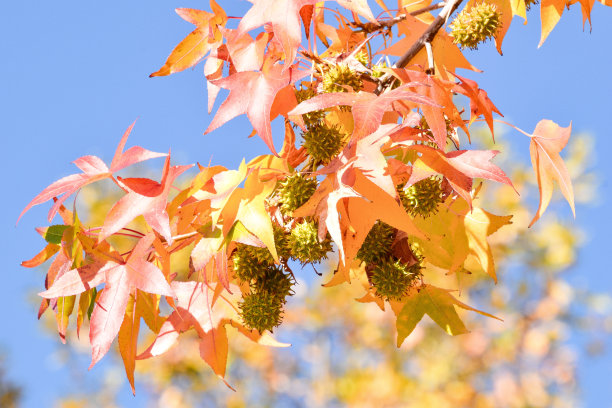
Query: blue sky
[(74, 75)]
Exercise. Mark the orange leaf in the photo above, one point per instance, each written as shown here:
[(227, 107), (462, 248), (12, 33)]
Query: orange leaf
[(128, 339), (447, 56), (197, 43)]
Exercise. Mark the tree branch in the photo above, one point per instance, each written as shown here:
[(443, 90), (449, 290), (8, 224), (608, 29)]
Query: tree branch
[(371, 27), (426, 37)]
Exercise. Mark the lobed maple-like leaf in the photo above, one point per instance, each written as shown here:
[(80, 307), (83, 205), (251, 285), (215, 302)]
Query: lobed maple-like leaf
[(439, 304), (196, 45), (459, 167), (93, 169), (367, 108), (284, 16), (199, 307), (253, 93), (121, 278), (147, 198), (480, 104), (547, 141)]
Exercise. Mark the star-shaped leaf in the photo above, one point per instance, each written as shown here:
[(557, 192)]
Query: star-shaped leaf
[(147, 198), (121, 278), (93, 169)]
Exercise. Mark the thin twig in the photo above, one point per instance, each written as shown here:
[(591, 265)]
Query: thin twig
[(371, 27)]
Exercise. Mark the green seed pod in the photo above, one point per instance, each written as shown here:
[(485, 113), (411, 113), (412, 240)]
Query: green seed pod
[(475, 25), (363, 57), (377, 244), (294, 191), (261, 311), (305, 244), (275, 282), (310, 118), (322, 142), (246, 263), (339, 75), (450, 130), (391, 278), (422, 198)]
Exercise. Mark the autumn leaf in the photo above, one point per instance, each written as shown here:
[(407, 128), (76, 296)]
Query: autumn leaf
[(438, 304), (196, 45), (121, 278), (93, 169), (128, 339), (547, 141), (479, 224), (367, 108), (447, 56), (439, 91), (284, 16), (253, 93), (459, 167), (480, 104), (550, 14), (147, 198), (40, 258), (200, 309)]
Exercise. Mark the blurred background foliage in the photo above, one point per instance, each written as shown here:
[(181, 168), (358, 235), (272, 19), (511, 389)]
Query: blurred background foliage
[(9, 392), (343, 352)]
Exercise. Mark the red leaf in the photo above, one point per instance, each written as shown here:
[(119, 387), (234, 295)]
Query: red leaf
[(480, 104), (151, 206)]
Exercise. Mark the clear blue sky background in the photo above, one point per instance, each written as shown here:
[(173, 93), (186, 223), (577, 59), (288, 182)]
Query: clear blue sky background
[(74, 75)]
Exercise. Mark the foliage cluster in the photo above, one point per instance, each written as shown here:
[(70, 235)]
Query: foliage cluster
[(380, 176)]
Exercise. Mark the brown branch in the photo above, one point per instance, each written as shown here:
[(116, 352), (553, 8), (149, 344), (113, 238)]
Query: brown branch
[(426, 37), (371, 27)]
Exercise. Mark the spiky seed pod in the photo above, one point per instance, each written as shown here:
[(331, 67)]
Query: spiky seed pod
[(475, 25), (363, 57), (378, 69), (305, 244), (294, 191), (261, 311), (392, 278), (246, 263), (323, 142), (281, 240), (450, 130), (339, 75), (422, 198), (310, 118), (377, 244), (275, 282), (263, 254)]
